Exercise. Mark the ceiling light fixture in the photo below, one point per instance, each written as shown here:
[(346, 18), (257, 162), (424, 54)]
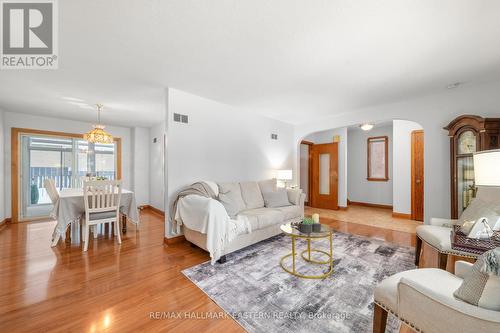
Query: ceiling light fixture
[(366, 127), (98, 134)]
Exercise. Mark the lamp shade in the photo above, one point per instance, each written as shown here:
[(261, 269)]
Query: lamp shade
[(284, 174), (487, 168)]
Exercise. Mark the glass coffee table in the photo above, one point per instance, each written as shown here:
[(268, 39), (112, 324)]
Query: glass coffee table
[(325, 232)]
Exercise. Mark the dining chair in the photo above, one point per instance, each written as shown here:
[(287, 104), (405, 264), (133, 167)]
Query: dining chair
[(50, 187), (102, 205)]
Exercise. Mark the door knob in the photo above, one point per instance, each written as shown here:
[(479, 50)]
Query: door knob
[(418, 181)]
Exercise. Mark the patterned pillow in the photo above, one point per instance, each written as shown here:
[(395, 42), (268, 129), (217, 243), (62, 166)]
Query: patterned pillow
[(481, 286)]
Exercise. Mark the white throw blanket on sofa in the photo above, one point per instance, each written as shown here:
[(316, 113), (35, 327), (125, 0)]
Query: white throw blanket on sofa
[(208, 216)]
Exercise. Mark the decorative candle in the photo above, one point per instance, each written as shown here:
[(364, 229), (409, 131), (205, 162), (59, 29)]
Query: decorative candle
[(315, 218)]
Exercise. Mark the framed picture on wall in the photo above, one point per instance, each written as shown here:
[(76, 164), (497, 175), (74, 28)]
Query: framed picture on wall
[(377, 160)]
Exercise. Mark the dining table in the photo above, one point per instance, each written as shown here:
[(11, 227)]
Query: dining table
[(69, 209)]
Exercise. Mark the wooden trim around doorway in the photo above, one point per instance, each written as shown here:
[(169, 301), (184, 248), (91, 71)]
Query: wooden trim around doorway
[(14, 137)]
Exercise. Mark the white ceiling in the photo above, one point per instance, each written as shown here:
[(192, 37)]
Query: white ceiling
[(290, 60)]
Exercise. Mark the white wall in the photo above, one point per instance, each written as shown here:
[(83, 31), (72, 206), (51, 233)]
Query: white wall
[(140, 163), (401, 184), (13, 119), (359, 188), (3, 188), (327, 137), (222, 143), (156, 166), (304, 170), (433, 112)]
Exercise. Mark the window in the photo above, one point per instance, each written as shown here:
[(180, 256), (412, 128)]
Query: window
[(378, 159), (66, 159)]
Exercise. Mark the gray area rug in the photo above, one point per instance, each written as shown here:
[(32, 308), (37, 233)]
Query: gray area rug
[(253, 288)]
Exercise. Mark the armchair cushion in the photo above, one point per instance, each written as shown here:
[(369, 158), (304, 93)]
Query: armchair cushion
[(462, 268), (438, 237), (480, 288), (437, 280), (442, 222)]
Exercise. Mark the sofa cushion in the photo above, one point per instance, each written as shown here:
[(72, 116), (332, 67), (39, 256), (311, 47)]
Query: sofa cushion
[(261, 218), (290, 212), (231, 199), (268, 185), (250, 191), (479, 287), (294, 195), (276, 199)]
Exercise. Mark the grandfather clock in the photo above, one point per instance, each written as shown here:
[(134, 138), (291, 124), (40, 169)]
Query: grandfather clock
[(468, 134)]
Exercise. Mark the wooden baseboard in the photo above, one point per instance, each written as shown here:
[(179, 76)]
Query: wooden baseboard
[(342, 208), (174, 240), (367, 204), (401, 215), (153, 209), (5, 221)]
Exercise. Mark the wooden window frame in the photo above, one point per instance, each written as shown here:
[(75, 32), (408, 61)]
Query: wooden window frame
[(368, 168), (15, 135)]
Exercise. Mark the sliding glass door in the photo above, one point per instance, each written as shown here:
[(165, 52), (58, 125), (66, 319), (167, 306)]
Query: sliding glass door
[(66, 160)]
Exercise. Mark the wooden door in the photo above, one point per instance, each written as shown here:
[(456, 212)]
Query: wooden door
[(417, 175), (324, 175)]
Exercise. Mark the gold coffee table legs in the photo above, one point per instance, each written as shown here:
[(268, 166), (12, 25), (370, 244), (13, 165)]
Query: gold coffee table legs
[(306, 255)]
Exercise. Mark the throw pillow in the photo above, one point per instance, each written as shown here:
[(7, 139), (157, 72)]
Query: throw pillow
[(268, 185), (481, 286), (276, 199), (231, 199), (251, 194)]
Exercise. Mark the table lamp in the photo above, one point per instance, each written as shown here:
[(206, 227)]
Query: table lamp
[(486, 171), (284, 175)]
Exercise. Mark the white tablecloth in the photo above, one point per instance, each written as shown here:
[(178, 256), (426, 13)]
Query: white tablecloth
[(70, 207)]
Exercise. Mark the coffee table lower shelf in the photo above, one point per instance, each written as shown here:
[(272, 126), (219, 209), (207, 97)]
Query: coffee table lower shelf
[(306, 255)]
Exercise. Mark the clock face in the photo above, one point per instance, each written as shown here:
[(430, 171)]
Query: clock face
[(467, 143)]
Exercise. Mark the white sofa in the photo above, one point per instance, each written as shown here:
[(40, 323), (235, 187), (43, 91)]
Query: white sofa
[(423, 299), (264, 222)]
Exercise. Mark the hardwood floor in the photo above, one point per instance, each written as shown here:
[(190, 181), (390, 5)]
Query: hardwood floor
[(117, 288), (109, 288), (368, 216)]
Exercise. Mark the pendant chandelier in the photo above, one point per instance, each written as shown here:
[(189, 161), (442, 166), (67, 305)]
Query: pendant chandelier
[(98, 134)]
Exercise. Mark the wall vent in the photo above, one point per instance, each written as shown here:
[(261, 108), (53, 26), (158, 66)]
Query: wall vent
[(181, 118)]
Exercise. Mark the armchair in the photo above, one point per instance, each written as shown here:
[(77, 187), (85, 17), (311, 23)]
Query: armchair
[(423, 298)]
